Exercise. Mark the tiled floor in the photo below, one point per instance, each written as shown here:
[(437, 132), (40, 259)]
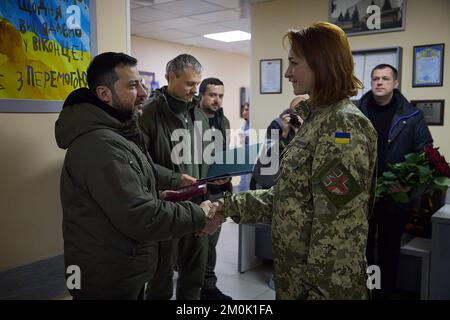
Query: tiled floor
[(251, 285)]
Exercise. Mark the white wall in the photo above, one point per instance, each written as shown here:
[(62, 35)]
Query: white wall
[(231, 68), (427, 22)]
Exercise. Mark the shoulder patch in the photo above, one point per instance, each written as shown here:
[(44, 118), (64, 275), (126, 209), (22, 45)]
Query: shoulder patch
[(337, 183), (342, 137)]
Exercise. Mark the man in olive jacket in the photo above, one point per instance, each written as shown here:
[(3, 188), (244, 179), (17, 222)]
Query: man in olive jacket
[(172, 115), (112, 217), (212, 91)]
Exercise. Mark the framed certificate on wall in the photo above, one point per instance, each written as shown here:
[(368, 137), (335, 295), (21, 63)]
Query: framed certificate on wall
[(428, 65), (270, 76)]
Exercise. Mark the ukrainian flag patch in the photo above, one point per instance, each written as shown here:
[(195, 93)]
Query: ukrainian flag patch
[(342, 137)]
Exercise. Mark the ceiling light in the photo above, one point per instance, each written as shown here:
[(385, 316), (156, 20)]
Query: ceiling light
[(230, 36)]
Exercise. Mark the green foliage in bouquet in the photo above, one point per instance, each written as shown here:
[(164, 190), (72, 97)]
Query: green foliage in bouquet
[(422, 172)]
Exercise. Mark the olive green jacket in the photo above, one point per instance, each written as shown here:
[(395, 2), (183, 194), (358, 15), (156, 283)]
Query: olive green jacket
[(225, 125), (112, 216), (158, 122), (319, 206), (225, 130)]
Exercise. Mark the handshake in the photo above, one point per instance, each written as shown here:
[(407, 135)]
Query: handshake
[(214, 217)]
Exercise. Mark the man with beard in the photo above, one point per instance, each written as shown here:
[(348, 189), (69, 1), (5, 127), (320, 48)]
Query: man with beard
[(212, 91), (112, 215)]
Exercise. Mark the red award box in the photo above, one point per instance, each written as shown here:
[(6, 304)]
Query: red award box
[(188, 192)]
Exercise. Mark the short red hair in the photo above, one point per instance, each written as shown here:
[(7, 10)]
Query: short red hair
[(327, 52)]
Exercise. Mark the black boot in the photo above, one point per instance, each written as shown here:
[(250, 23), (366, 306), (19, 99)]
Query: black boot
[(213, 294)]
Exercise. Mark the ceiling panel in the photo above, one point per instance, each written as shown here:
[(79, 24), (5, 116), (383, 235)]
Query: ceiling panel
[(166, 35), (149, 2), (227, 3), (147, 27), (162, 1), (179, 23), (218, 16), (208, 43), (185, 21), (207, 28), (146, 14), (135, 23), (239, 24), (188, 7)]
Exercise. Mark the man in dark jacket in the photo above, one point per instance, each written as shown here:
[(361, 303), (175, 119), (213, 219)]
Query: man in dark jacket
[(112, 217), (284, 129), (174, 127), (212, 91), (401, 129)]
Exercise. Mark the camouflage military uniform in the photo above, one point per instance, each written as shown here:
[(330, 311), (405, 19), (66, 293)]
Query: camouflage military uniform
[(319, 206)]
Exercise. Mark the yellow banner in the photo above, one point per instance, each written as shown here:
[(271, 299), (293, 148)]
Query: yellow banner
[(44, 48)]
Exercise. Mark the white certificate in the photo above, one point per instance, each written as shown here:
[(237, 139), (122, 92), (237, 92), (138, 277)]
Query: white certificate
[(270, 78), (428, 62)]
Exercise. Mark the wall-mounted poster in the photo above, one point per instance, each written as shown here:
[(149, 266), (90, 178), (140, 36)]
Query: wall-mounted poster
[(357, 17), (45, 49), (148, 81)]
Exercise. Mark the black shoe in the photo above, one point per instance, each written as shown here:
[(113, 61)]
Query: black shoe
[(213, 294)]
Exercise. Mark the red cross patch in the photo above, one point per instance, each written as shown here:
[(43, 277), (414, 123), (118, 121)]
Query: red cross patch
[(336, 182)]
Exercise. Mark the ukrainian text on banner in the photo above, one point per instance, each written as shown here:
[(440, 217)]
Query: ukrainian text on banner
[(45, 48)]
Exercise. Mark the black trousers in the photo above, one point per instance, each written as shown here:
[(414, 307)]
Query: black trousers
[(386, 226), (112, 293)]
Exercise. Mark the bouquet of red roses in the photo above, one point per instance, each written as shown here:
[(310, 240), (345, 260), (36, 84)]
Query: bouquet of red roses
[(421, 173)]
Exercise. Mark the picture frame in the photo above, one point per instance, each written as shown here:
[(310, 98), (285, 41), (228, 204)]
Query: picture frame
[(368, 16), (428, 65), (149, 81), (433, 111), (55, 59), (270, 76), (244, 97)]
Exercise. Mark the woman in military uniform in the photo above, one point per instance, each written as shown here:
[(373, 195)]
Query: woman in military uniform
[(320, 204)]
